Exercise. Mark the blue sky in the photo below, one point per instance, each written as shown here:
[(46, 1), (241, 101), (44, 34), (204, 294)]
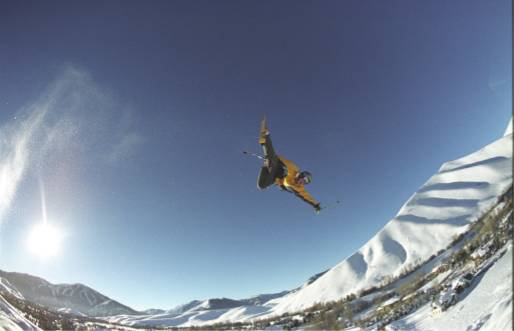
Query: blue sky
[(146, 107)]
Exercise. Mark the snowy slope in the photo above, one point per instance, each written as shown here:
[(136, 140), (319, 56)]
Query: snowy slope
[(5, 286), (203, 312), (509, 128), (13, 320), (443, 207), (486, 307), (10, 318)]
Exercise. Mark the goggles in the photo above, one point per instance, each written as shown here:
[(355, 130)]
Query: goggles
[(306, 179)]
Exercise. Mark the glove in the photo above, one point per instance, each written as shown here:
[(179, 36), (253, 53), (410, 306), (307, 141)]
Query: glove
[(317, 208)]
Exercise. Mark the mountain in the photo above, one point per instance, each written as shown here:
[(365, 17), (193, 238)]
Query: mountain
[(82, 301), (215, 304), (75, 298), (441, 209), (183, 308), (260, 300), (153, 311), (446, 206)]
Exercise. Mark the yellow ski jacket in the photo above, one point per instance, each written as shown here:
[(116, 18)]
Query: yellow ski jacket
[(289, 182)]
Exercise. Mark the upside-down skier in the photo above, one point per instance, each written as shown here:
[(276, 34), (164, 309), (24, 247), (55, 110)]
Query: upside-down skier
[(282, 172)]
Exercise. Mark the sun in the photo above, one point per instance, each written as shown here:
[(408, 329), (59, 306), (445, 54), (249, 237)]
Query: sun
[(45, 240)]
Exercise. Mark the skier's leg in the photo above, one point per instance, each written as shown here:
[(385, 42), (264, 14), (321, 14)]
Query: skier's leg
[(272, 165), (267, 148), (271, 159)]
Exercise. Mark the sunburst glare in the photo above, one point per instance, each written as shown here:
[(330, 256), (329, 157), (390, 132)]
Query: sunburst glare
[(45, 240)]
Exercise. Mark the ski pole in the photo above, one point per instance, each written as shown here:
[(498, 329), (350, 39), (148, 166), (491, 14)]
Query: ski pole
[(254, 154), (331, 205)]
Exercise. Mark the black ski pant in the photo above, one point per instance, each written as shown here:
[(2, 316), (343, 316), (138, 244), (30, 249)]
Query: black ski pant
[(274, 168)]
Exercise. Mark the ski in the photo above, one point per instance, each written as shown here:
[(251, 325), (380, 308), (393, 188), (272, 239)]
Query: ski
[(331, 205), (263, 132)]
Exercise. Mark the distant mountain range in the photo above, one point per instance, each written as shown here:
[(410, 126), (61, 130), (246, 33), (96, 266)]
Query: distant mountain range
[(76, 298), (79, 299)]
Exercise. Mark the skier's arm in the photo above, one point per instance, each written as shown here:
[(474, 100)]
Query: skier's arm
[(305, 196)]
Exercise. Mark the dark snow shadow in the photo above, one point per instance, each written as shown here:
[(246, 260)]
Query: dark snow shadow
[(444, 202), (455, 221), (358, 263), (392, 247), (454, 186)]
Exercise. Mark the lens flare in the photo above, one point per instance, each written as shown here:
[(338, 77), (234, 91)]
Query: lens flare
[(44, 240)]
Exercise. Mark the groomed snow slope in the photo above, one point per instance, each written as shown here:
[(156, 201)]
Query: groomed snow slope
[(444, 206)]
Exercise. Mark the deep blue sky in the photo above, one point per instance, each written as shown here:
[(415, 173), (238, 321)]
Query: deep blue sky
[(371, 97)]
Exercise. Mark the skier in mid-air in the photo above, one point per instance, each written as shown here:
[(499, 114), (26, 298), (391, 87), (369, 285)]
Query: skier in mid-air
[(282, 172)]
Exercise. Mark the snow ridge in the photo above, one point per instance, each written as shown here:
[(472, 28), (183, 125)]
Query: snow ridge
[(443, 207)]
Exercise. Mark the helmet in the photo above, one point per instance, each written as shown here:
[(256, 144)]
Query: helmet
[(306, 176)]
